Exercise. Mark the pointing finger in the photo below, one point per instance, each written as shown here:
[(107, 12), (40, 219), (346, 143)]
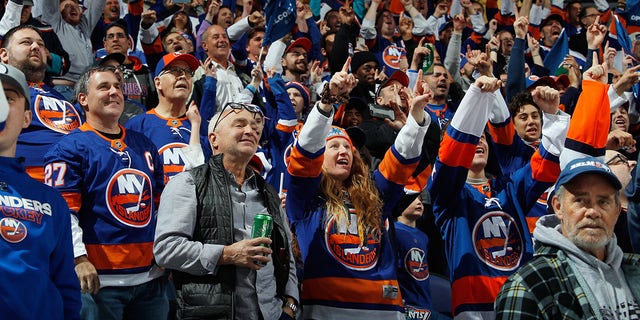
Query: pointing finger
[(345, 67)]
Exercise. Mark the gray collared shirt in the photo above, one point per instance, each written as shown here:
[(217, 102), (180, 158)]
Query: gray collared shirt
[(255, 294)]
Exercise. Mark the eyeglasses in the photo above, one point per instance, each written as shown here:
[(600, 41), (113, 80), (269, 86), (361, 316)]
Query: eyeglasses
[(118, 35), (177, 71), (618, 159), (236, 108)]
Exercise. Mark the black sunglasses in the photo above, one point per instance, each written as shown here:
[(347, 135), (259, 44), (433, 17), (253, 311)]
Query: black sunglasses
[(237, 107), (618, 159)]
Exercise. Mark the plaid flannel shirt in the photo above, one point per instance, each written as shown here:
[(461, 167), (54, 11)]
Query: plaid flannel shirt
[(547, 288)]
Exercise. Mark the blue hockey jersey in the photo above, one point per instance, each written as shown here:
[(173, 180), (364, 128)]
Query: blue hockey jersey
[(344, 279), (413, 270), (486, 237), (169, 135), (113, 187), (53, 117)]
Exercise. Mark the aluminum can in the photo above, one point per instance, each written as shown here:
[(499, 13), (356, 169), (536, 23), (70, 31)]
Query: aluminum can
[(262, 227)]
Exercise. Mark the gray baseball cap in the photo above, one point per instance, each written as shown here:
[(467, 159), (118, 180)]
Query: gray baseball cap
[(11, 75)]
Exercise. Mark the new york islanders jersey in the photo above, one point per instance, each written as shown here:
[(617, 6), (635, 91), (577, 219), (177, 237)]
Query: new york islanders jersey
[(486, 238), (282, 136), (35, 245), (112, 186), (52, 118), (413, 271), (169, 135), (344, 279), (514, 153)]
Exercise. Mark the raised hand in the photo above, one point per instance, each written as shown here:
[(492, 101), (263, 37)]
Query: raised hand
[(547, 99), (346, 14), (148, 18), (315, 74), (400, 118), (521, 26), (256, 19), (618, 139), (597, 72), (209, 68), (595, 34), (459, 23), (487, 84), (441, 9), (627, 80), (421, 96), (212, 10), (193, 114)]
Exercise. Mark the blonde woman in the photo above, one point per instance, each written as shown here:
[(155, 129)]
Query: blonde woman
[(338, 210)]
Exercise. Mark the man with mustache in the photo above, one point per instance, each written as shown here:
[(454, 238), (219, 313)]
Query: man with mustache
[(579, 271)]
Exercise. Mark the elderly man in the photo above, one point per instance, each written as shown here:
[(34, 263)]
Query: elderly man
[(53, 116), (216, 44), (167, 124), (578, 272), (36, 245), (111, 178), (204, 230)]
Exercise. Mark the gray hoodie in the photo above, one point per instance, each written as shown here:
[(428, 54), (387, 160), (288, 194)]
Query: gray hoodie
[(603, 281)]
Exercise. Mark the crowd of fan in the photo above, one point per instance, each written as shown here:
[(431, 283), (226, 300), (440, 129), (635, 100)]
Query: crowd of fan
[(397, 50)]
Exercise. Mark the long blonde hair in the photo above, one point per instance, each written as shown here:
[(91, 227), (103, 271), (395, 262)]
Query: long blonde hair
[(362, 193)]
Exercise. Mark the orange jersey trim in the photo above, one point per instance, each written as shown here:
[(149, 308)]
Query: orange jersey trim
[(544, 170), (349, 290), (502, 135), (120, 256), (475, 290), (36, 172), (301, 166), (456, 154), (73, 199), (395, 171)]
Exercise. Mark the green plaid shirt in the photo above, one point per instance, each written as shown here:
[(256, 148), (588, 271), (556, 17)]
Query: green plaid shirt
[(546, 288)]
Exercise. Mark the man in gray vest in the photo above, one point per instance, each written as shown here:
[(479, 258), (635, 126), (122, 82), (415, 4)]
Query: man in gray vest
[(204, 228)]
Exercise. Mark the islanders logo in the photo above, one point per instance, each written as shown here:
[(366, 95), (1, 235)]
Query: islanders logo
[(12, 230), (172, 159), (392, 55), (129, 197), (57, 115), (415, 263), (343, 243), (497, 241)]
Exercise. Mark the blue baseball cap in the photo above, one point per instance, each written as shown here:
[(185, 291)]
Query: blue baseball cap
[(587, 165)]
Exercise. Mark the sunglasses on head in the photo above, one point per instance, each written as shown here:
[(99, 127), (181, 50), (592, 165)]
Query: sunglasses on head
[(237, 107)]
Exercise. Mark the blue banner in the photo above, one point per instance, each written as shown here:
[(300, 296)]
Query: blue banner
[(281, 18), (555, 56)]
